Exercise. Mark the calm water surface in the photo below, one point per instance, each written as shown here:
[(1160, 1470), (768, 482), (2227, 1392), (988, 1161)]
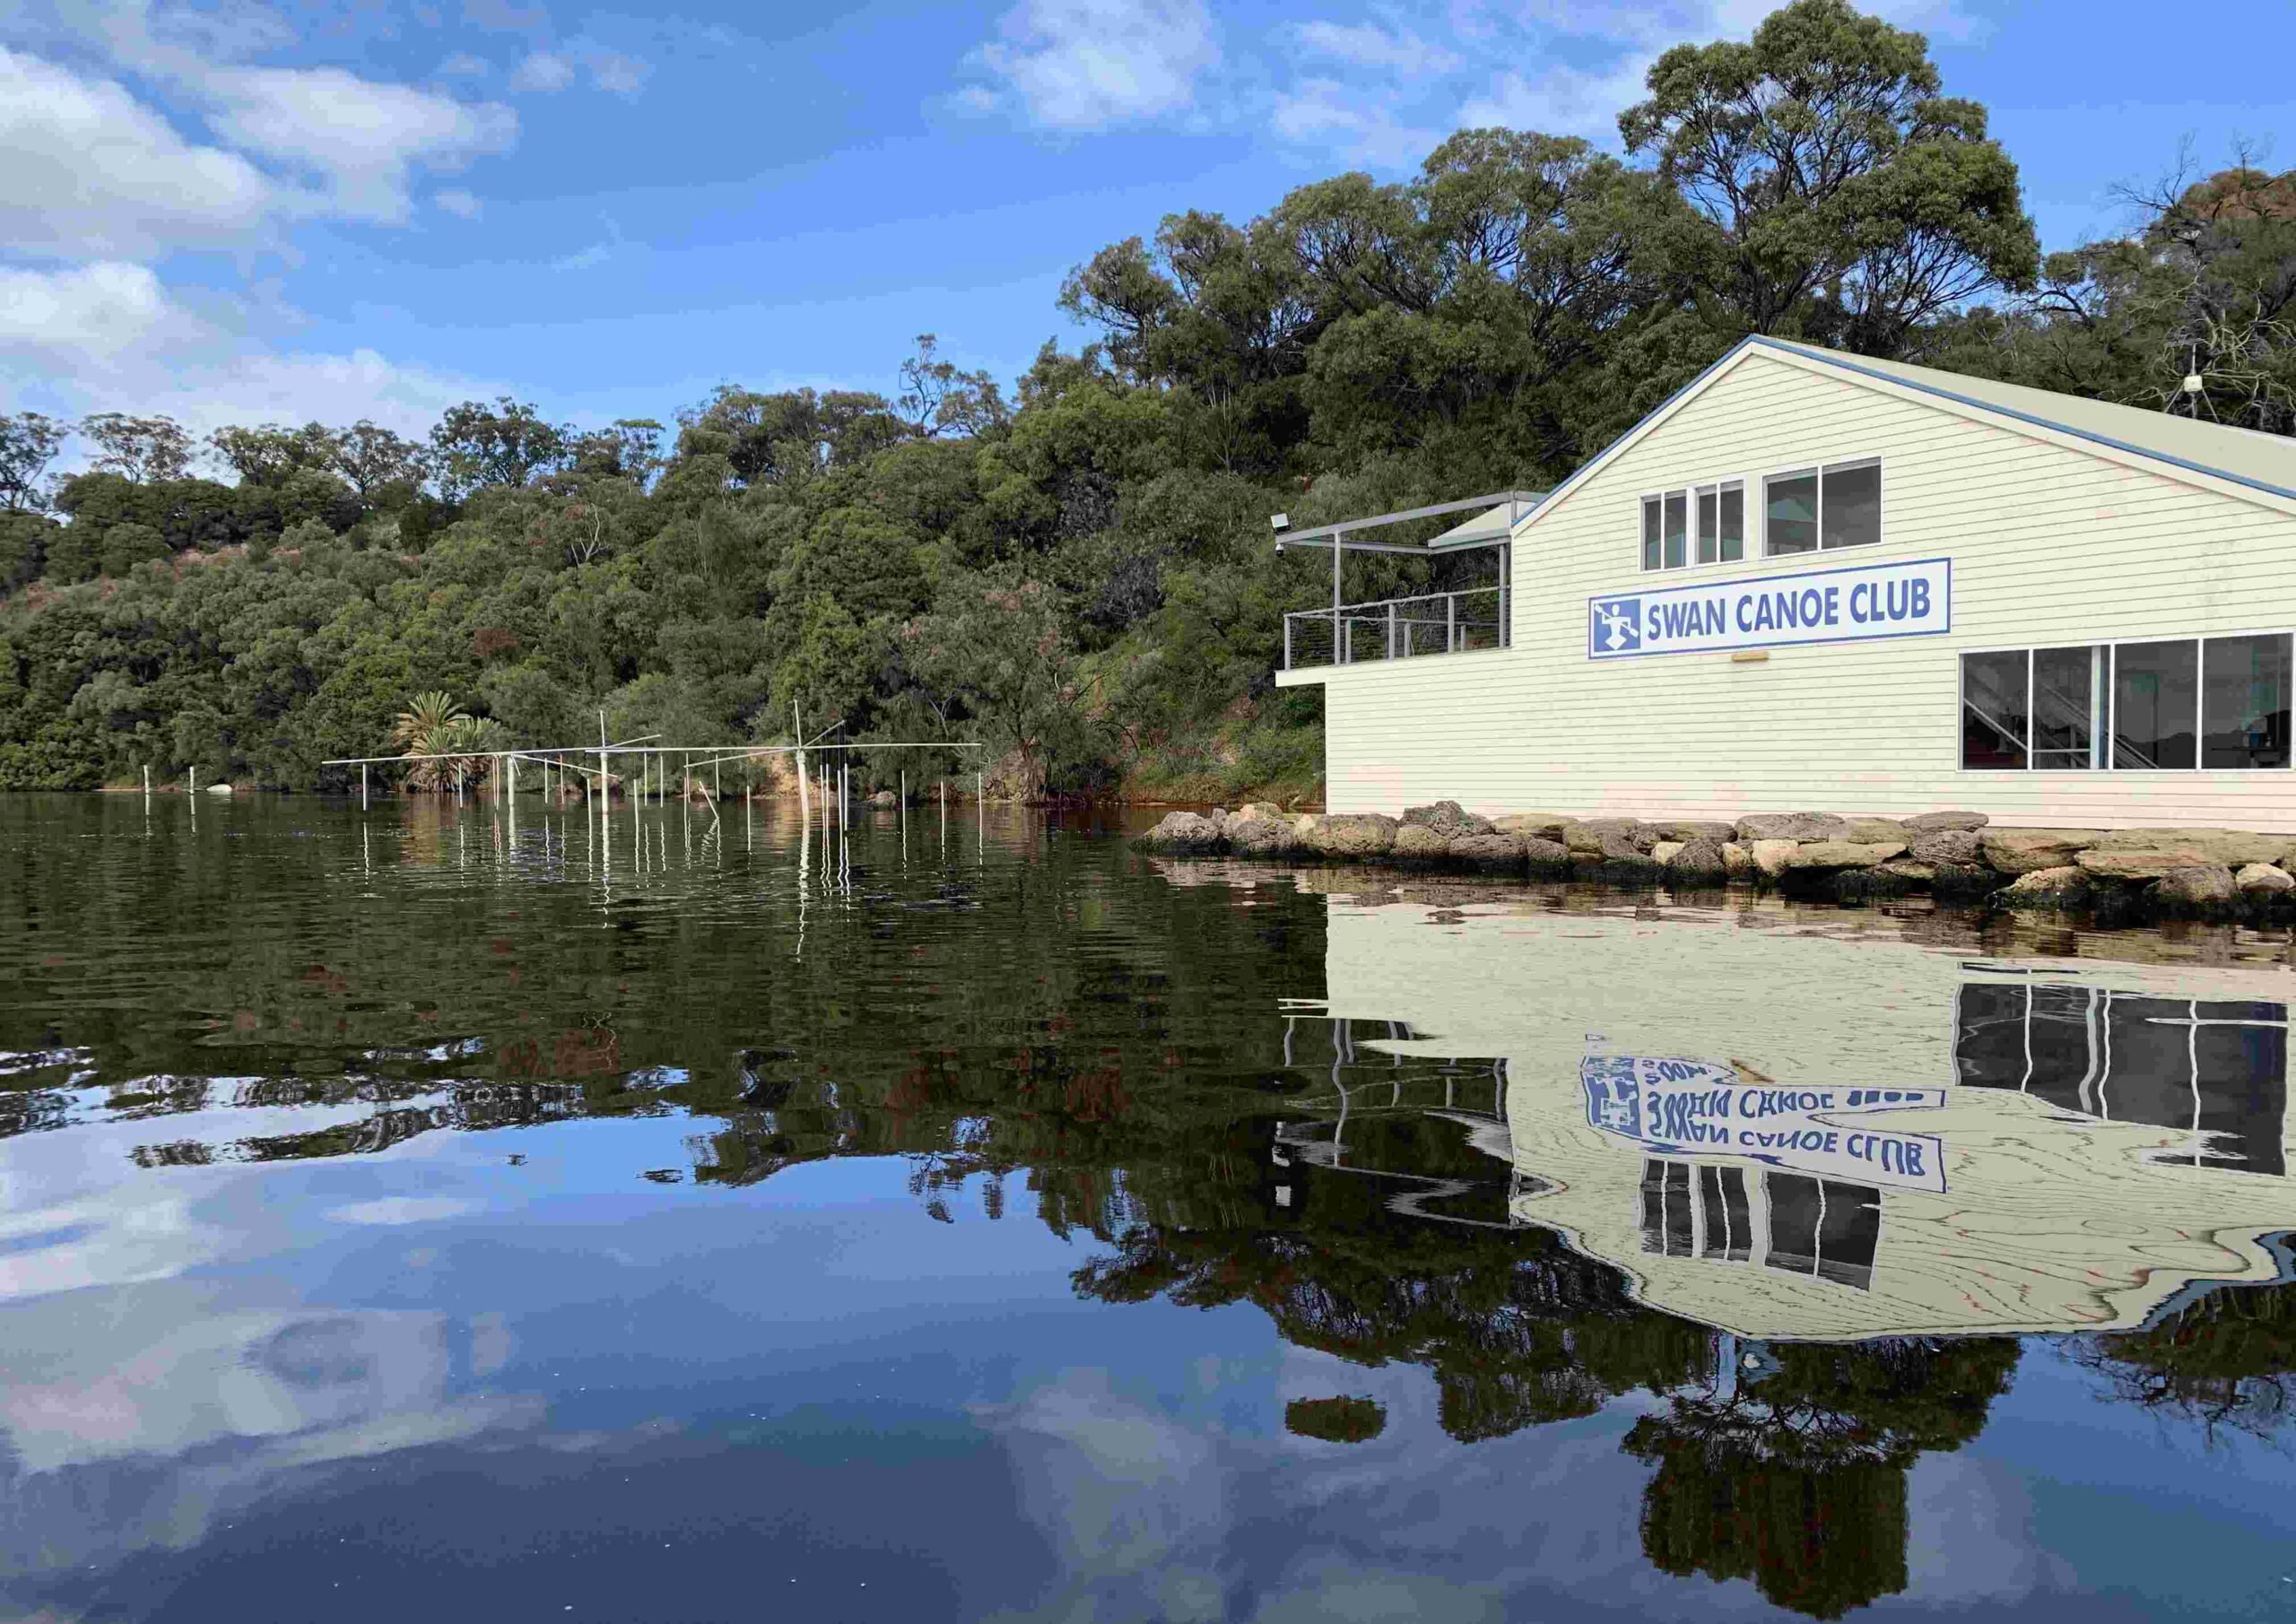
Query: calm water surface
[(412, 1213)]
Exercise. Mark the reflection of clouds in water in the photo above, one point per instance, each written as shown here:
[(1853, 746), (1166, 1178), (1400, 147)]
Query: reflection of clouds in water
[(1153, 1517), (403, 1210), (191, 1404), (1970, 1535)]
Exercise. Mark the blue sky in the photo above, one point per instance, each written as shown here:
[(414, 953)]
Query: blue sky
[(379, 207)]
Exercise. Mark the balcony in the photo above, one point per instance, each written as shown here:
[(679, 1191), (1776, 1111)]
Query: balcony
[(1396, 629)]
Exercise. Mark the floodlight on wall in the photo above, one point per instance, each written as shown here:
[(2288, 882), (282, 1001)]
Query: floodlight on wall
[(1279, 522)]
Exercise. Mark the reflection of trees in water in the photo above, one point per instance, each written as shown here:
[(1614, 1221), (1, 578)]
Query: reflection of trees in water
[(1796, 1480), (2225, 1363)]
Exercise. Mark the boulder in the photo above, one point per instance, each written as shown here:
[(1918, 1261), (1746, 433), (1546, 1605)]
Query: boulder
[(1960, 846), (1699, 861), (1793, 826), (1687, 829), (2212, 847), (1356, 834), (1417, 843), (1664, 851), (2059, 887), (1616, 847), (1263, 837), (2129, 863), (1931, 823), (1186, 831), (2022, 851), (1962, 879), (884, 797), (2263, 878), (1870, 831), (1737, 860), (1446, 817), (1545, 855), (1842, 853), (1772, 856), (1909, 869), (1546, 826), (1585, 837), (2199, 886), (1491, 850), (1262, 808)]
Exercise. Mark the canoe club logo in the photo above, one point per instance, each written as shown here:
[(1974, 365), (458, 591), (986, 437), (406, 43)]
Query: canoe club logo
[(1618, 624)]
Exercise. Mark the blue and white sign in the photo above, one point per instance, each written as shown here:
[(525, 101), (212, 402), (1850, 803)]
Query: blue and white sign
[(1853, 605), (1695, 1107)]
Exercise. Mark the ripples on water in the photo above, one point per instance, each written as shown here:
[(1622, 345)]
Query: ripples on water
[(405, 1211)]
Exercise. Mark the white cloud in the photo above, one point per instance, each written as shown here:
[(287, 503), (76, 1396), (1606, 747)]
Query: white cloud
[(108, 336), (462, 65), (1356, 125), (584, 259), (616, 73), (458, 202), (1084, 65), (90, 172), (542, 71), (403, 1210), (361, 139), (1398, 50), (1560, 101)]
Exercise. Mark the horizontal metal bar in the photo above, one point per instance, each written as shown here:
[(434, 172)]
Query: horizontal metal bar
[(1317, 536)]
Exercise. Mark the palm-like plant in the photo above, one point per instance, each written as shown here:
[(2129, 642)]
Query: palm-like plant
[(433, 725)]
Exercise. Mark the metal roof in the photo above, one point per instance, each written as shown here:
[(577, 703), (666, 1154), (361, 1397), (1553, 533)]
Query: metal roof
[(1498, 514)]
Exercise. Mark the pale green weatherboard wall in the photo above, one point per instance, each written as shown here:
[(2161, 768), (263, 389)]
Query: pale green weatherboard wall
[(2054, 540)]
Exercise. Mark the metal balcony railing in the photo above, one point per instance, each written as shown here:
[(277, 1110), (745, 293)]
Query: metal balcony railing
[(1396, 629)]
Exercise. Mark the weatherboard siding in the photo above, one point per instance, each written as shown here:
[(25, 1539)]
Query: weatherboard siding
[(2050, 545)]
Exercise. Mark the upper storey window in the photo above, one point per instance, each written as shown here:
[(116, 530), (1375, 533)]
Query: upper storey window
[(1697, 524), (1838, 505)]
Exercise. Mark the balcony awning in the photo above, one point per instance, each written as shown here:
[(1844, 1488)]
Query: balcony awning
[(1492, 520)]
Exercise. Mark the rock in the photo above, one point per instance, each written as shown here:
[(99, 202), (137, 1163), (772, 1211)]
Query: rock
[(2132, 863), (1793, 826), (1616, 847), (1546, 856), (2201, 885), (1185, 831), (1960, 846), (2212, 847), (1931, 822), (1772, 856), (1685, 830), (1910, 868), (1446, 817), (1663, 851), (1871, 831), (1842, 853), (1263, 837), (1356, 834), (1699, 860), (1546, 826), (1586, 836), (1262, 808), (219, 789), (1962, 880), (1737, 860), (884, 797), (2022, 851), (1417, 843), (2057, 887), (2263, 877), (1489, 850)]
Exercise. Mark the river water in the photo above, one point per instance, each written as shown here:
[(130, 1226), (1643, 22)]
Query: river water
[(418, 1213)]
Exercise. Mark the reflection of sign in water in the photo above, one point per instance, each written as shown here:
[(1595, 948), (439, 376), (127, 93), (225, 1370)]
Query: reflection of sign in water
[(1679, 1108)]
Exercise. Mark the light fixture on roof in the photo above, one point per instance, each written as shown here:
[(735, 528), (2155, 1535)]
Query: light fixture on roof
[(1279, 522)]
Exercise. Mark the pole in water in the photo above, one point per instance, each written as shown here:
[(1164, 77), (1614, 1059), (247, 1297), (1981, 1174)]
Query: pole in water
[(147, 781), (195, 780)]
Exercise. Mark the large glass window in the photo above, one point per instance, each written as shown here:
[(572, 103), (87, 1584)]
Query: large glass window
[(1651, 523), (1721, 523), (2156, 704), (1677, 529), (2244, 701), (1996, 714), (2067, 685), (1838, 505)]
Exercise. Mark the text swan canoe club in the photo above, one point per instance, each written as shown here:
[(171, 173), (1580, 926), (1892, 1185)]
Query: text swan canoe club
[(1861, 604)]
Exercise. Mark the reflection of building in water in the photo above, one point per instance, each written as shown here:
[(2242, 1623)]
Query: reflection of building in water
[(1818, 1227), (2219, 1069), (2091, 1140)]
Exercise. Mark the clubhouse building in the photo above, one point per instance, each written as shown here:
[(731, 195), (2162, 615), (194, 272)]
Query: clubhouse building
[(1812, 579)]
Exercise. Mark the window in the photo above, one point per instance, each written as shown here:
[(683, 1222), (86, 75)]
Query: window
[(2174, 704), (2244, 701), (2156, 701), (1838, 505), (1708, 522)]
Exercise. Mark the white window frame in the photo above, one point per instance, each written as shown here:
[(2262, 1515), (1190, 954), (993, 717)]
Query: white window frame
[(2101, 696), (1688, 491), (1881, 520)]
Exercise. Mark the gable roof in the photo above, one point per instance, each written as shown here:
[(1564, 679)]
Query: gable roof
[(2242, 456)]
